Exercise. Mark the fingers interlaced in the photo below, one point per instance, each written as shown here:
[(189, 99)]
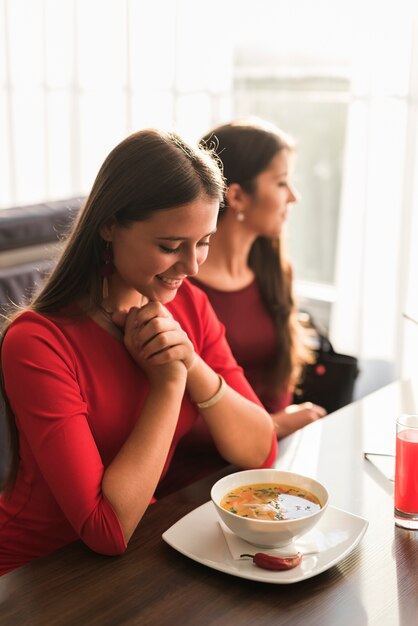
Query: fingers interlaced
[(152, 334)]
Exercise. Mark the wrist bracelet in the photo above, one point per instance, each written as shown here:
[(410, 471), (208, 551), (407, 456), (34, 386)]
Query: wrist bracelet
[(214, 399)]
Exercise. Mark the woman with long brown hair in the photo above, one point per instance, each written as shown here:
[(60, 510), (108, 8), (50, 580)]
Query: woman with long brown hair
[(247, 276), (113, 361)]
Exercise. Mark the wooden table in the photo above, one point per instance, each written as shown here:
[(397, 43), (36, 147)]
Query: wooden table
[(153, 584)]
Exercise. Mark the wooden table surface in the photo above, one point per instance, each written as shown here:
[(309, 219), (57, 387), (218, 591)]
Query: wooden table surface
[(153, 584)]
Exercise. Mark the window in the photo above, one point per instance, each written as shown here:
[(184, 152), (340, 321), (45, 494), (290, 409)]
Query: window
[(313, 108)]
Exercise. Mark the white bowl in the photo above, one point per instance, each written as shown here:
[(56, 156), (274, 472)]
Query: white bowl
[(266, 533)]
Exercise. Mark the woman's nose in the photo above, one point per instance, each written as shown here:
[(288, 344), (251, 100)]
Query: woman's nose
[(189, 264), (294, 195)]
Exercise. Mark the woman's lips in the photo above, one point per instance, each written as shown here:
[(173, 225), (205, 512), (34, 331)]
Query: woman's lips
[(170, 283)]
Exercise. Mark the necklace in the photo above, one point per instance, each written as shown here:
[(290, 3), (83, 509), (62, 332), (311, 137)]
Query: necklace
[(110, 325), (108, 313)]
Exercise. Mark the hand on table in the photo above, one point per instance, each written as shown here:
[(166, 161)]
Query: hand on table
[(296, 416)]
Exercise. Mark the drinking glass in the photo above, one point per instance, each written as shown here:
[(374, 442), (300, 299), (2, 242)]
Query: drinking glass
[(406, 472)]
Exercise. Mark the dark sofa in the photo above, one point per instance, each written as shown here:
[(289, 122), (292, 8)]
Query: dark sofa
[(29, 229)]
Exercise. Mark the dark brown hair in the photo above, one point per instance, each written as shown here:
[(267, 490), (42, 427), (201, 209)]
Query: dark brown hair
[(246, 149), (147, 172)]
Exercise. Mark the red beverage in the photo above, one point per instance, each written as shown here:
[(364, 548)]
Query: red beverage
[(406, 471)]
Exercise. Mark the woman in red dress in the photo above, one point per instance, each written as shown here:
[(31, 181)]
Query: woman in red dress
[(116, 357)]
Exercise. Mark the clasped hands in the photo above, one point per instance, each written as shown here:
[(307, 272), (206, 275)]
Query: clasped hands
[(154, 338)]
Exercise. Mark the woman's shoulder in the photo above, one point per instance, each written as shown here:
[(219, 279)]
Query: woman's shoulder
[(29, 318), (29, 328)]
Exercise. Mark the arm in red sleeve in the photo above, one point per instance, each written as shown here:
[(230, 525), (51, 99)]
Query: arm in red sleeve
[(40, 375), (269, 462)]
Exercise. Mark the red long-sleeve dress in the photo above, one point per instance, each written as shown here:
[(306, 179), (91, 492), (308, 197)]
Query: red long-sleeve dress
[(76, 394)]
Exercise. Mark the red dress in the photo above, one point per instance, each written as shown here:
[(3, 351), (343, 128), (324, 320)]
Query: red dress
[(76, 394)]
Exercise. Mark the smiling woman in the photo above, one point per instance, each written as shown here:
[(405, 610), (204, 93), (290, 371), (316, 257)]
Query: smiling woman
[(107, 351)]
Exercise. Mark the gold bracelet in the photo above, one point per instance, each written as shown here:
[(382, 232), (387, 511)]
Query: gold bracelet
[(214, 399)]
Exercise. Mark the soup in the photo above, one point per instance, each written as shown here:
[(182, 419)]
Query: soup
[(270, 501)]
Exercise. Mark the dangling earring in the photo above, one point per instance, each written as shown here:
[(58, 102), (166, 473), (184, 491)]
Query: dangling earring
[(240, 215), (107, 268)]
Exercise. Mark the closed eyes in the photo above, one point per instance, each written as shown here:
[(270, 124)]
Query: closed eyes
[(168, 250)]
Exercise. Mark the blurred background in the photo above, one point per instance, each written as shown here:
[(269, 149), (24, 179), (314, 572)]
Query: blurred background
[(77, 76)]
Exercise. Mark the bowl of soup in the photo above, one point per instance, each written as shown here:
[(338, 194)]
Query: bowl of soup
[(269, 508)]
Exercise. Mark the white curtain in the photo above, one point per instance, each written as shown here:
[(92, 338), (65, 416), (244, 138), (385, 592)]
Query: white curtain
[(377, 204)]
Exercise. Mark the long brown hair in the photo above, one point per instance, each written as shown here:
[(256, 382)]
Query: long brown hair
[(246, 149), (149, 171)]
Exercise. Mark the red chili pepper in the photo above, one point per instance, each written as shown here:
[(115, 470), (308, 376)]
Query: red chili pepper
[(275, 562)]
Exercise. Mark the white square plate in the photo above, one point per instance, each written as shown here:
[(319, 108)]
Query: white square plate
[(199, 536)]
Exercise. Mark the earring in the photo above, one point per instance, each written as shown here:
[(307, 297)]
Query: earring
[(107, 268), (240, 215)]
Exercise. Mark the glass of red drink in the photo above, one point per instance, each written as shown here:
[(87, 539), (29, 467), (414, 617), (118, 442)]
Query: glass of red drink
[(406, 472)]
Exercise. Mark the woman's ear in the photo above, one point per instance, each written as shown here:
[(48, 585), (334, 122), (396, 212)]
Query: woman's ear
[(237, 201), (235, 196), (106, 231)]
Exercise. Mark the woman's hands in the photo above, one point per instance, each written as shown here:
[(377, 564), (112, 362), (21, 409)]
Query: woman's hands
[(296, 416), (156, 341)]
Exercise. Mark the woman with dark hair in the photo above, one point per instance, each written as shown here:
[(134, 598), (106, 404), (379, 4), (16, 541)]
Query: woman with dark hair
[(114, 360), (247, 277), (249, 284)]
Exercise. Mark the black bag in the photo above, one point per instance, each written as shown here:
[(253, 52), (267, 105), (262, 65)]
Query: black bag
[(329, 381)]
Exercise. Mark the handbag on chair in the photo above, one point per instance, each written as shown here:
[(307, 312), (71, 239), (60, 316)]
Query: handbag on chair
[(328, 381)]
